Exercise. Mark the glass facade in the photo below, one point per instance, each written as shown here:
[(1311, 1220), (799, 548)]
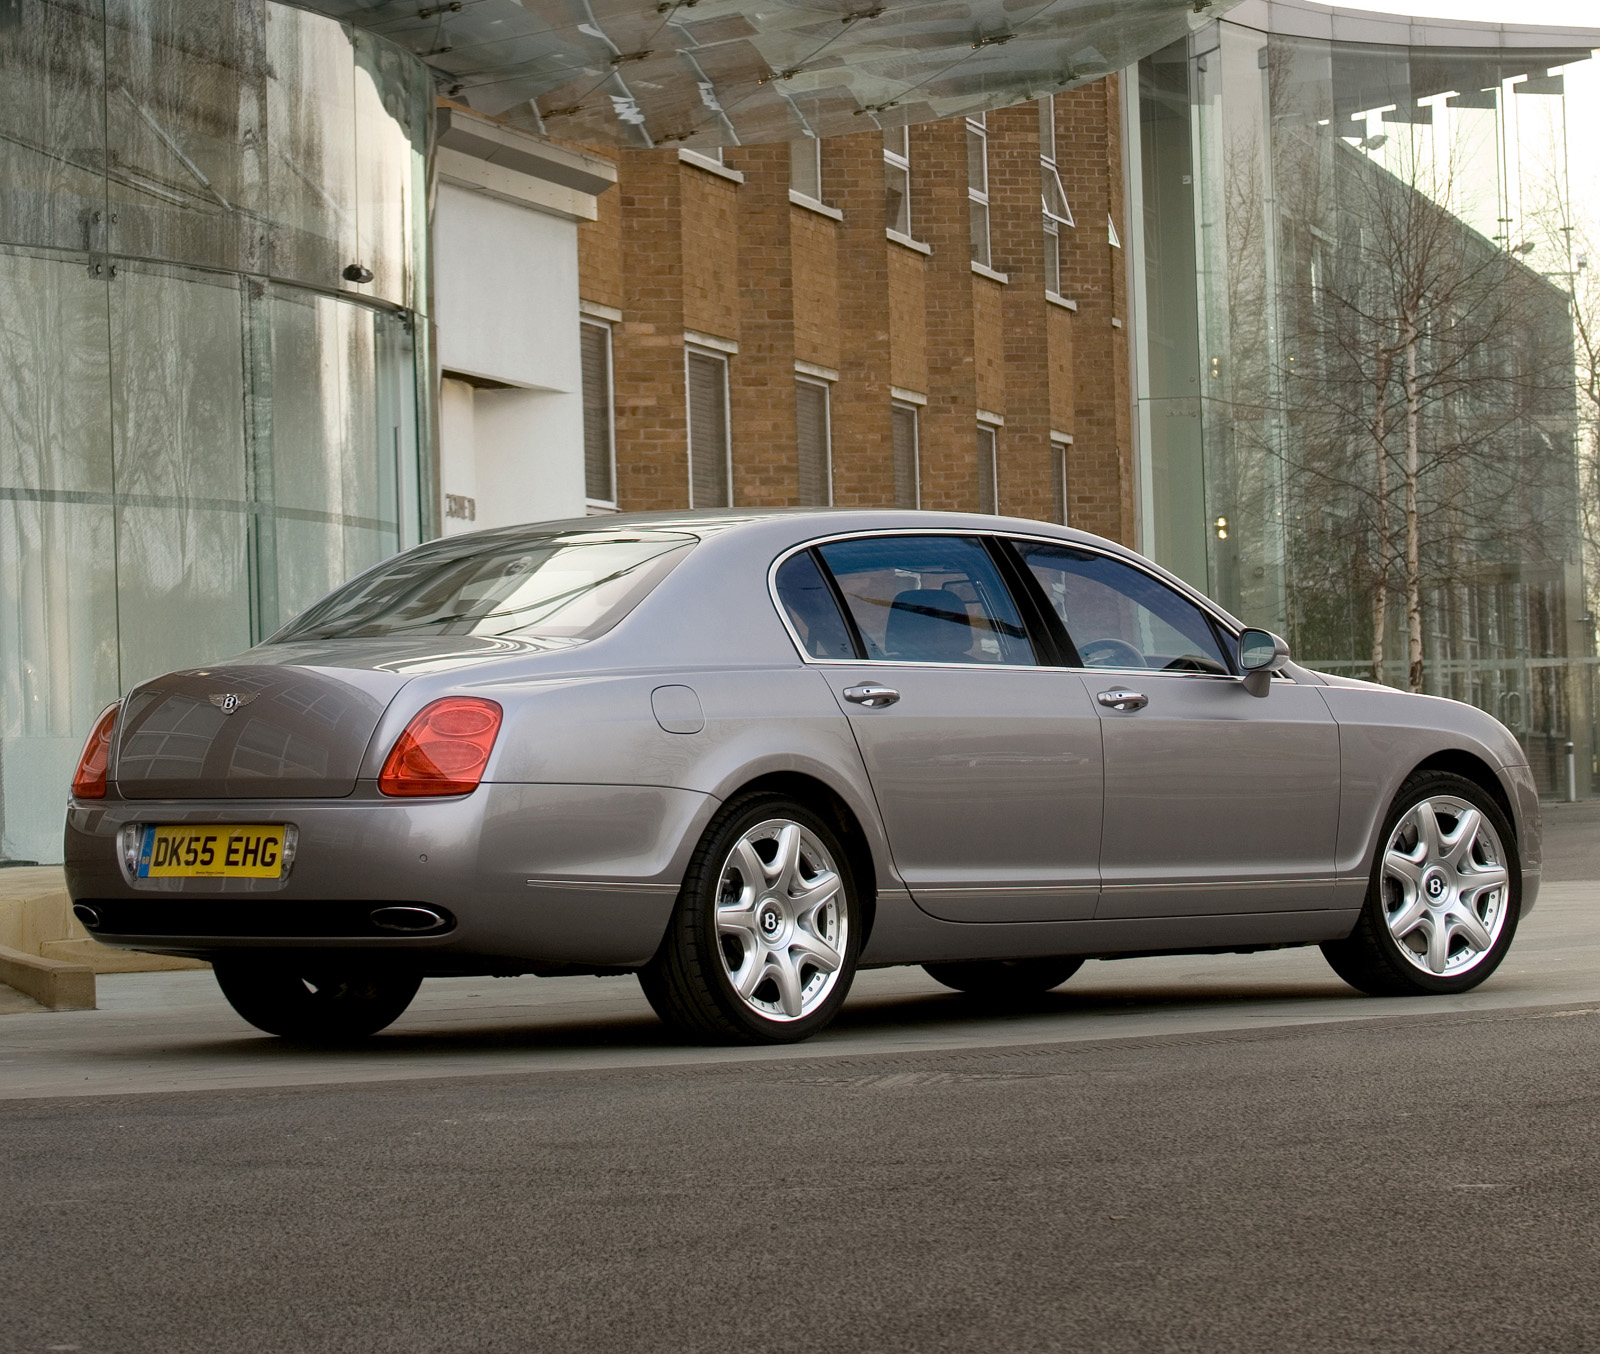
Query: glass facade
[(1355, 370), (214, 372)]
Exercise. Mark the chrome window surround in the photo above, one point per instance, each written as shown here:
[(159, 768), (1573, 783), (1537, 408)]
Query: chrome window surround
[(1206, 607)]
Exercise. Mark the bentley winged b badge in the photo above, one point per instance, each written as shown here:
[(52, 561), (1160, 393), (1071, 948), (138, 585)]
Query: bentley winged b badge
[(229, 701)]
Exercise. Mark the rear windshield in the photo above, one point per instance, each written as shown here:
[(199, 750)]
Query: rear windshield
[(563, 586)]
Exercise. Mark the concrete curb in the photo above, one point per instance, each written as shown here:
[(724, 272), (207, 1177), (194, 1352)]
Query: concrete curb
[(50, 982)]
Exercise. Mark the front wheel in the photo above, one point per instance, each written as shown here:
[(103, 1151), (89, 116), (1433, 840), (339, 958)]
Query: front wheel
[(762, 946), (1000, 978), (1445, 893), (316, 1001)]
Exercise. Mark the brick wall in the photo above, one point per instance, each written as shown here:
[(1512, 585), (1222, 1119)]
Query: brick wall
[(677, 247)]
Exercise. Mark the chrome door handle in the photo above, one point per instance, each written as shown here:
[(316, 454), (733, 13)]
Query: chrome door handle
[(1123, 700), (871, 694)]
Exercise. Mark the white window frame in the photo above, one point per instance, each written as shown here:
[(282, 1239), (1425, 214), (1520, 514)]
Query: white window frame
[(693, 350), (804, 379), (915, 411), (601, 504), (1058, 475), (1050, 177), (992, 454), (900, 159), (979, 127), (809, 147)]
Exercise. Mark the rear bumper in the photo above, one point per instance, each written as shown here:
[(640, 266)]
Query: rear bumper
[(542, 875)]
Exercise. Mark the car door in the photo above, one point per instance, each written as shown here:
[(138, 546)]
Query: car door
[(1216, 801), (986, 764)]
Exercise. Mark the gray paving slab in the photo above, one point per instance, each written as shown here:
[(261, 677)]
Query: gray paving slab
[(168, 1032)]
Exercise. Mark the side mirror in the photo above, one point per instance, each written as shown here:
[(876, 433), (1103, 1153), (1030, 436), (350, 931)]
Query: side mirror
[(1261, 654)]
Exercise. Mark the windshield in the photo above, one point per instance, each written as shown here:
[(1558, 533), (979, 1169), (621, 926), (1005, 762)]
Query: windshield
[(565, 586)]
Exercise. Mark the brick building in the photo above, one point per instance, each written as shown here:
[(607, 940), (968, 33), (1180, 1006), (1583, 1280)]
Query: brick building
[(915, 316)]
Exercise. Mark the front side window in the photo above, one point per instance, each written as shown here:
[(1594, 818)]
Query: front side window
[(1120, 617), (508, 584), (928, 599)]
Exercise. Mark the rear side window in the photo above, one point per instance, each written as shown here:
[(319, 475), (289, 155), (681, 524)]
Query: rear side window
[(559, 586), (808, 603), (928, 599)]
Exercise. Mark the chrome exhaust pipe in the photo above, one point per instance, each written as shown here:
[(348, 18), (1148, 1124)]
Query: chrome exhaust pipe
[(408, 920), (89, 916)]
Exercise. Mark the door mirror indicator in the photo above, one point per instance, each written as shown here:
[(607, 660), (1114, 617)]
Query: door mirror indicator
[(1261, 653)]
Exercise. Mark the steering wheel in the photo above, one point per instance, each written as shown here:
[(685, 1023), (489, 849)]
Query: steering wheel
[(1122, 654)]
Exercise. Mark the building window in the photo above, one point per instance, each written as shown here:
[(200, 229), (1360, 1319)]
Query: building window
[(710, 477), (988, 495), (1056, 211), (978, 187), (897, 179), (813, 444), (1058, 480), (599, 440), (907, 473), (805, 167)]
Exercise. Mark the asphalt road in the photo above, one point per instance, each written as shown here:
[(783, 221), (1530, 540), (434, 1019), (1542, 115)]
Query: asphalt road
[(1185, 1154), (1404, 1184)]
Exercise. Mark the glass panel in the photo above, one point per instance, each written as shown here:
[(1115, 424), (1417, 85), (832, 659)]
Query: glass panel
[(52, 125), (988, 495), (185, 117), (812, 610), (311, 169), (1052, 257), (928, 599), (1047, 127), (907, 486), (805, 167), (58, 604), (811, 426), (708, 432), (392, 92), (1121, 617), (598, 460), (978, 219), (897, 198), (1058, 481), (534, 586), (177, 383), (977, 159)]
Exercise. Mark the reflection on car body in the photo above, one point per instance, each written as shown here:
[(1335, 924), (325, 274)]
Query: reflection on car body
[(744, 754)]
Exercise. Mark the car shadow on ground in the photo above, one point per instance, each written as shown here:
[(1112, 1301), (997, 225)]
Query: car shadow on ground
[(468, 1031)]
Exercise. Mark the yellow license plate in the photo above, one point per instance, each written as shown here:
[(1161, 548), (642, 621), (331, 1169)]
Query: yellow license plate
[(212, 851)]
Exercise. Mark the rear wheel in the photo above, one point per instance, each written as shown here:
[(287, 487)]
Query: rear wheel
[(315, 1001), (1004, 977), (1445, 893), (762, 946)]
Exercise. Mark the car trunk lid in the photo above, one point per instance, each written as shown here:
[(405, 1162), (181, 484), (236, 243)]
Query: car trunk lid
[(250, 731)]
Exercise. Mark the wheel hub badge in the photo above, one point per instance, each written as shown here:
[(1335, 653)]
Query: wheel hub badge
[(771, 921), (1434, 885)]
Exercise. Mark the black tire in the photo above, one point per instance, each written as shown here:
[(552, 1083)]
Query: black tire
[(688, 983), (316, 1000), (1001, 978), (1370, 958)]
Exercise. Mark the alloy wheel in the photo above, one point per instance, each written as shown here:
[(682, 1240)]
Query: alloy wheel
[(782, 924), (1445, 885)]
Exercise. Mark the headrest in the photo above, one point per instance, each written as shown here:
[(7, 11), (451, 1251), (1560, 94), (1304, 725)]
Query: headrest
[(928, 625)]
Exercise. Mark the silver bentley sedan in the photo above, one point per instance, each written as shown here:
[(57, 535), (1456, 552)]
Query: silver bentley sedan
[(744, 754)]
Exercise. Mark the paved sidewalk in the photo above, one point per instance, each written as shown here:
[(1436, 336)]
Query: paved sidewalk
[(163, 1032)]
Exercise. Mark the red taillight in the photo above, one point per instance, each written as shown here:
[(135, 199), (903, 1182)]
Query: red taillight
[(443, 750), (89, 782)]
